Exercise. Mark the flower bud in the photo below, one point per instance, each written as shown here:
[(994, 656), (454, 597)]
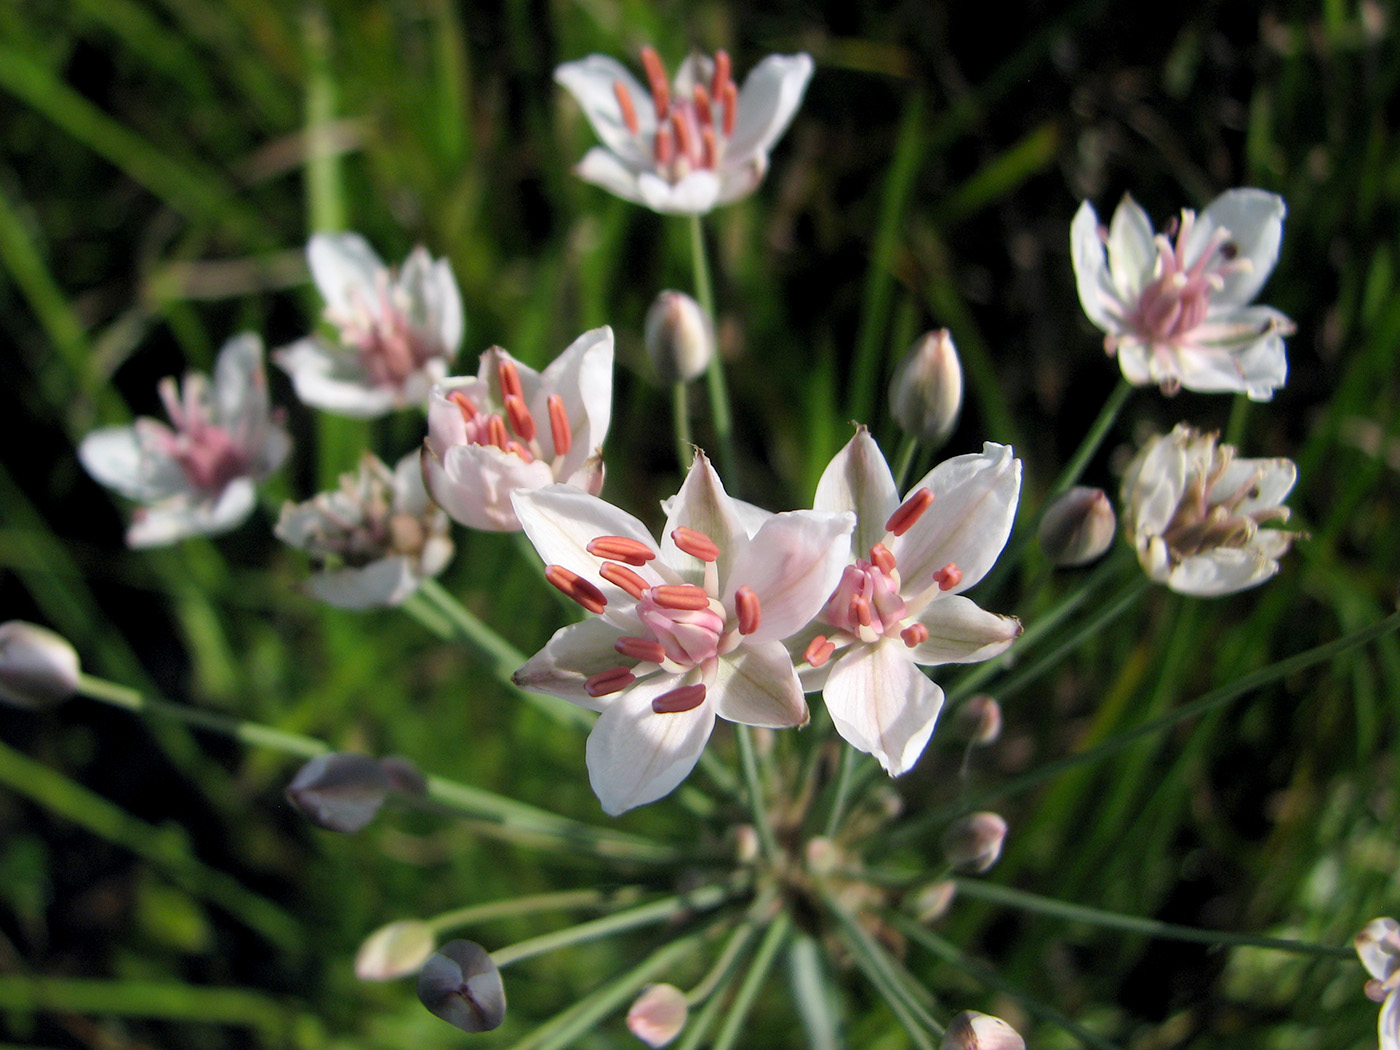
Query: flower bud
[(973, 1031), (979, 720), (37, 667), (460, 984), (658, 1015), (927, 389), (974, 842), (1077, 527), (679, 337), (340, 792), (395, 950), (933, 901)]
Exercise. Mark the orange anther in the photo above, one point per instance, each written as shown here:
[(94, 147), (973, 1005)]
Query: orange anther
[(747, 608), (521, 421), (509, 376), (559, 429), (914, 635), (662, 150), (621, 548), (731, 107), (910, 511), (818, 651), (574, 586), (496, 433), (622, 576), (702, 106), (624, 103), (656, 77), (882, 559), (686, 698), (520, 450), (647, 650), (720, 83), (610, 681), (695, 543), (709, 150), (860, 611), (682, 596), (948, 577), (464, 404), (685, 141)]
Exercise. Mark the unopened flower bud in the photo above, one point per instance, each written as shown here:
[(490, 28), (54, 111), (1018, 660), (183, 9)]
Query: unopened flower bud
[(927, 389), (658, 1015), (460, 984), (974, 842), (340, 792), (979, 720), (679, 337), (933, 901), (973, 1031), (1077, 527), (37, 667), (395, 950)]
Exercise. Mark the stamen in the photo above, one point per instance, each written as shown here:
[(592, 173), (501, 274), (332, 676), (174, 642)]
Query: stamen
[(685, 141), (612, 680), (520, 450), (647, 650), (746, 606), (695, 543), (662, 152), (686, 698), (622, 576), (656, 77), (521, 421), (709, 149), (510, 380), (860, 611), (948, 577), (818, 651), (683, 596), (702, 106), (910, 511), (574, 586), (620, 548), (464, 405), (731, 107), (882, 559), (496, 433), (559, 429), (624, 103), (721, 77), (914, 635)]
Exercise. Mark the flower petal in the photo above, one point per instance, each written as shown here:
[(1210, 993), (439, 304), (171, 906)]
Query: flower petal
[(591, 81), (1269, 481), (603, 168), (1224, 570), (635, 755), (119, 458), (572, 656), (1378, 947), (792, 564), (695, 194), (330, 379), (858, 479), (703, 505), (960, 632), (181, 516), (767, 102), (385, 582), (1154, 484), (345, 269), (757, 686), (881, 703), (240, 384), (1091, 273), (1131, 251), (583, 377), (1255, 221), (474, 484)]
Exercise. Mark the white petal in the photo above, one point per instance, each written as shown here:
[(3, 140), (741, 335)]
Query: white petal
[(767, 103), (793, 563), (1131, 251), (1154, 485), (635, 756), (757, 686), (474, 484), (703, 505), (178, 518), (118, 458), (1224, 570), (603, 168), (1377, 945), (1239, 351), (695, 194), (330, 379), (1389, 1024), (583, 377), (240, 384), (859, 480), (737, 181), (881, 703), (591, 81), (1091, 272), (1255, 221), (385, 582), (345, 269), (1269, 480), (444, 300), (960, 632), (573, 655)]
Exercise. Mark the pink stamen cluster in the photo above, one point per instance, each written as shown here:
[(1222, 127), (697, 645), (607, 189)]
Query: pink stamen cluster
[(691, 132), (390, 346), (513, 428), (210, 455), (688, 628), (867, 604)]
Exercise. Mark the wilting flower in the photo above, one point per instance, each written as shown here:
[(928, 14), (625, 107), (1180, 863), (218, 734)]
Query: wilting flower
[(899, 605), (684, 630), (37, 667), (1193, 513), (1378, 945), (197, 478), (683, 147), (486, 435), (1174, 306), (374, 539), (460, 984), (397, 333)]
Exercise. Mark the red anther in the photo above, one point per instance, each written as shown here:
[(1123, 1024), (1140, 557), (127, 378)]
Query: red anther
[(622, 576), (686, 698), (695, 543), (948, 577), (908, 512), (612, 680), (748, 610), (521, 421), (647, 650), (574, 586), (656, 77), (702, 106), (914, 635), (882, 559), (685, 141), (559, 428), (624, 103), (683, 596), (521, 451), (709, 150), (721, 78), (620, 548), (731, 107), (464, 404), (860, 611), (818, 651), (496, 433), (661, 147), (509, 376)]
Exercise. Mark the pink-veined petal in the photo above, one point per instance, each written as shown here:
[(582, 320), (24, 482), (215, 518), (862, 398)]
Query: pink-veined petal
[(858, 479), (881, 703), (474, 484), (703, 505), (961, 632), (572, 656), (635, 755), (792, 564), (757, 686)]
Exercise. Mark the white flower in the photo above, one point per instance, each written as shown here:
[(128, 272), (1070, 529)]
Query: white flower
[(686, 630), (899, 605), (398, 332), (683, 148), (1378, 945), (1193, 511), (197, 478), (1176, 310), (375, 538), (511, 428)]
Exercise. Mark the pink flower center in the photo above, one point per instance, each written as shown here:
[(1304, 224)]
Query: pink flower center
[(390, 346), (691, 130), (513, 429), (1177, 301), (209, 455)]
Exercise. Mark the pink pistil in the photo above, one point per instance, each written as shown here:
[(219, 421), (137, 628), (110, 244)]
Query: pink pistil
[(613, 680), (747, 609), (684, 698), (620, 548), (948, 577), (574, 586), (910, 511), (695, 543)]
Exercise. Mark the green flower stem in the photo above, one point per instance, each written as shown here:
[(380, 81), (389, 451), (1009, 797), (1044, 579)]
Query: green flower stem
[(707, 898), (849, 757), (758, 804), (680, 410), (774, 938), (1092, 440), (737, 945), (1133, 924), (565, 900), (904, 459), (714, 373)]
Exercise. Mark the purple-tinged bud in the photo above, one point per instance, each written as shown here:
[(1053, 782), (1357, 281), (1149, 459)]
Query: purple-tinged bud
[(404, 777), (37, 667), (460, 984), (395, 950), (973, 1031), (1078, 527), (933, 901), (658, 1015), (979, 720), (680, 340), (974, 842), (340, 792), (927, 389)]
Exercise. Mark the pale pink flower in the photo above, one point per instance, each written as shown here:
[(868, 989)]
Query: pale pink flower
[(1174, 305), (685, 630), (1378, 946), (687, 146), (658, 1015), (899, 606), (511, 429), (197, 478), (397, 332)]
